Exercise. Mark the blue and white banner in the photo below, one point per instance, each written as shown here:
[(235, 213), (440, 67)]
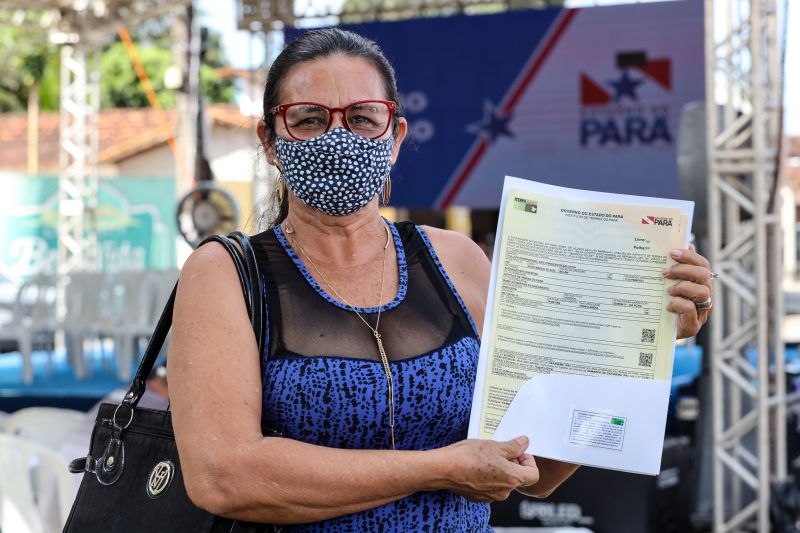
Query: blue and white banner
[(584, 98)]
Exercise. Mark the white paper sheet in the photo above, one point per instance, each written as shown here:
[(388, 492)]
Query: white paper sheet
[(574, 413)]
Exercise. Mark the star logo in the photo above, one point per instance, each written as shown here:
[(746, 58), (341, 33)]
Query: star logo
[(494, 123), (657, 71), (625, 87)]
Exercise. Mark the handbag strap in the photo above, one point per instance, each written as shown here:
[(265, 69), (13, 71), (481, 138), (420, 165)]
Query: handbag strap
[(256, 292), (250, 279)]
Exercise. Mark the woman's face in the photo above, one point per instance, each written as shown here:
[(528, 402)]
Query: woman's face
[(335, 81)]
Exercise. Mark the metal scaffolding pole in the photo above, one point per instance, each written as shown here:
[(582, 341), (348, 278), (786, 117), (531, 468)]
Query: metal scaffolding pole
[(77, 184), (80, 105), (749, 397)]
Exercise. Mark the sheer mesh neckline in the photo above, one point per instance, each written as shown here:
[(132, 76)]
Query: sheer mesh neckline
[(451, 345), (402, 271)]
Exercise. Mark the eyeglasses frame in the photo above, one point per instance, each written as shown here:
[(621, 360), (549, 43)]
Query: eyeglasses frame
[(281, 109)]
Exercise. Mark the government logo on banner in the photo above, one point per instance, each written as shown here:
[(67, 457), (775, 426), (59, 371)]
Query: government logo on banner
[(613, 112)]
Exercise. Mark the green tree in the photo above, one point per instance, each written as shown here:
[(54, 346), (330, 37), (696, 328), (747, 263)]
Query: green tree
[(120, 86), (50, 85), (28, 62)]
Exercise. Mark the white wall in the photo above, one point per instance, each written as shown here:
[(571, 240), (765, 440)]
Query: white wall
[(157, 162), (232, 153)]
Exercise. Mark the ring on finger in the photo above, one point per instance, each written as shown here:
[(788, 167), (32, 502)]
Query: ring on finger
[(704, 305), (714, 275)]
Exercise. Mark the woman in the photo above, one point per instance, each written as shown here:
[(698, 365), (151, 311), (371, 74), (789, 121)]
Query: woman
[(373, 346)]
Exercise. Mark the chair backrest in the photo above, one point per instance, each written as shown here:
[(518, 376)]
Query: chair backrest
[(46, 425), (38, 297), (146, 293), (21, 309), (120, 298), (141, 288), (31, 470), (89, 297), (168, 279)]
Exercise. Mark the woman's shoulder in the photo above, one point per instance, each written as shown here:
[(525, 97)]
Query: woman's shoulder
[(207, 259), (209, 273), (466, 265), (453, 247)]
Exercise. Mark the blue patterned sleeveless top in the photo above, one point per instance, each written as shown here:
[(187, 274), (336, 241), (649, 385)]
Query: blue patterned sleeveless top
[(324, 383)]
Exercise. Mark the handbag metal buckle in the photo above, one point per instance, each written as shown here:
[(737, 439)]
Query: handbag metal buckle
[(114, 418)]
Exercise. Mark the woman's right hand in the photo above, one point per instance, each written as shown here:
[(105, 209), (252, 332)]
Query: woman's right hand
[(487, 471)]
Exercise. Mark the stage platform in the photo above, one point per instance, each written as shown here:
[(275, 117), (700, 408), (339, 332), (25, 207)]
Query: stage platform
[(56, 386)]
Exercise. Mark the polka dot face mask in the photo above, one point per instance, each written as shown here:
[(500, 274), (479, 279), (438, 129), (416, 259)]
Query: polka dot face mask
[(337, 173)]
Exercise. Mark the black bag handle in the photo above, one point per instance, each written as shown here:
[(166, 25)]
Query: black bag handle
[(250, 279), (256, 292)]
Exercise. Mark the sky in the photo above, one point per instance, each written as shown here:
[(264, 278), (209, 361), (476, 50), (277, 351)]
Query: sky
[(245, 52)]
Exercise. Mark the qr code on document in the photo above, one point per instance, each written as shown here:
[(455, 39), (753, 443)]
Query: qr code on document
[(648, 335), (646, 359)]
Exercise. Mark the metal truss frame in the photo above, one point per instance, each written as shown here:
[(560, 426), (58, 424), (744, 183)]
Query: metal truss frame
[(77, 184), (747, 363)]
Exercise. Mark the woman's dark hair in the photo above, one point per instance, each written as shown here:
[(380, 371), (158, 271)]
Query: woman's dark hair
[(326, 42), (312, 45)]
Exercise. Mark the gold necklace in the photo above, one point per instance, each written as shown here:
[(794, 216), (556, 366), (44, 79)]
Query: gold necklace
[(375, 333)]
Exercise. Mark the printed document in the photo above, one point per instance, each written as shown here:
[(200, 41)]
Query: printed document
[(576, 326)]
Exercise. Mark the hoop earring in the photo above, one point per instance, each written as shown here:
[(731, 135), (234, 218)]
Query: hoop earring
[(386, 193), (281, 183), (281, 190)]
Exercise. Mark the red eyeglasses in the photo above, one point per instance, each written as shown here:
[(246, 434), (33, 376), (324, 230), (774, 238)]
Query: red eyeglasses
[(306, 120)]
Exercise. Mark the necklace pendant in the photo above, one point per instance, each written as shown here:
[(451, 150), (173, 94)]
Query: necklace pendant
[(384, 359)]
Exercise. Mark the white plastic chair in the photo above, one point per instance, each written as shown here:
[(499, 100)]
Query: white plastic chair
[(88, 298), (33, 318), (30, 470), (136, 319), (168, 279), (145, 294), (49, 426)]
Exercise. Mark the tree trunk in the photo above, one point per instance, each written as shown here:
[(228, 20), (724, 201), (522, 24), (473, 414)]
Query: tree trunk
[(33, 129)]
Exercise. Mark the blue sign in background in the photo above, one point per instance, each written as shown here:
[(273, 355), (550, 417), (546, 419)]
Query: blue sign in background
[(513, 93), (456, 63)]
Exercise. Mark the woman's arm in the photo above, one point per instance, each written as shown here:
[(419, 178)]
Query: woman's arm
[(230, 469), (469, 270)]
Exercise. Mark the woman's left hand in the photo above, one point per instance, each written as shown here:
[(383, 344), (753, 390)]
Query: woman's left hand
[(694, 272)]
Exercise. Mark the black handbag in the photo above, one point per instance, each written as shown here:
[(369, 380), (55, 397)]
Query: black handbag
[(132, 480)]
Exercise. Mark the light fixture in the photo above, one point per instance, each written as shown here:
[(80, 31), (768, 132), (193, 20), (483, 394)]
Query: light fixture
[(64, 37)]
